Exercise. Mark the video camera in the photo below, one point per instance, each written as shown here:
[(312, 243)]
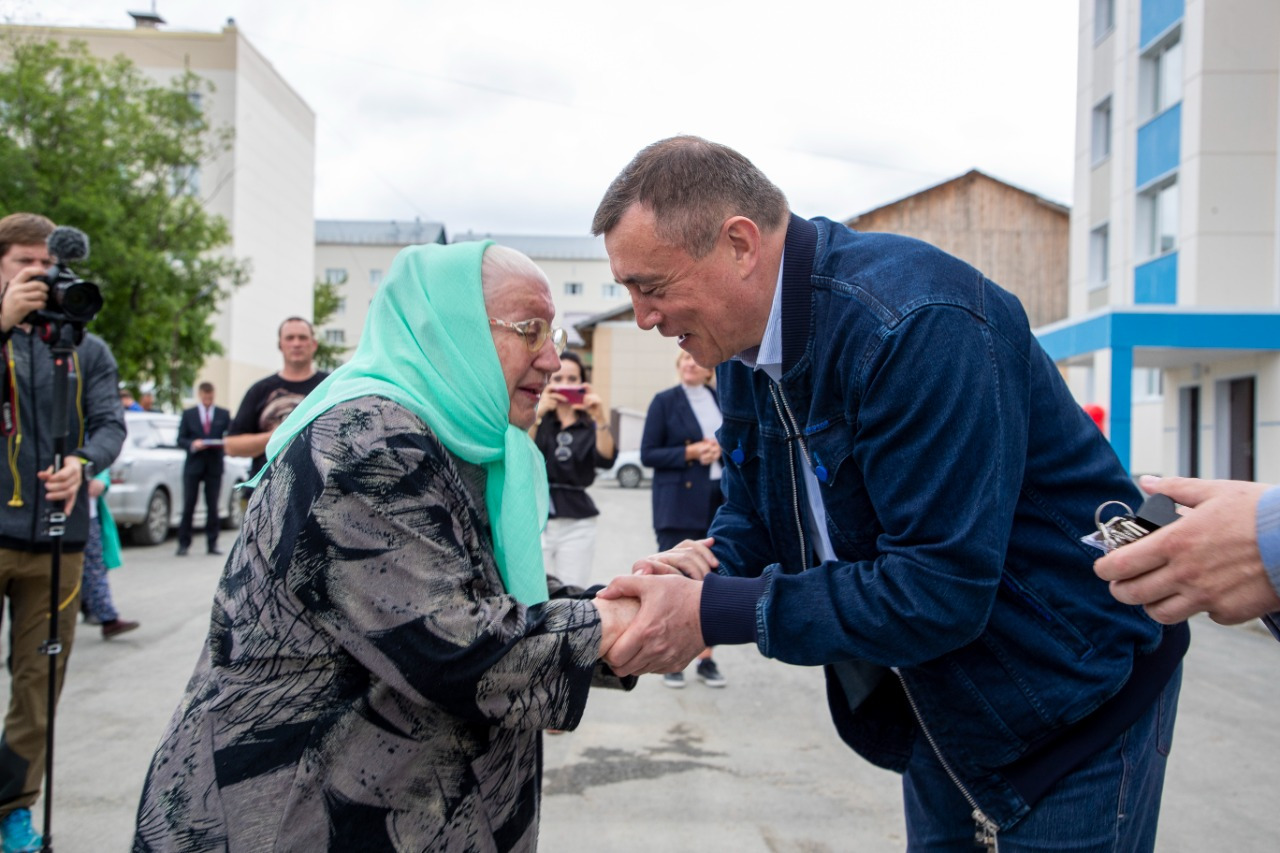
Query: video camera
[(71, 299)]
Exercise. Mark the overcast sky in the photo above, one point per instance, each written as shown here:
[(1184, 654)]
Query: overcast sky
[(512, 116)]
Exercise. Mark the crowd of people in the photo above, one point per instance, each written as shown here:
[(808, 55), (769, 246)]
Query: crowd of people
[(408, 605)]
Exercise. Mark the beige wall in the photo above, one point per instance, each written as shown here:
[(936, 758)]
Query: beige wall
[(629, 366)]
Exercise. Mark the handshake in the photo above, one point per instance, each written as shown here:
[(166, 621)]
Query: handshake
[(650, 619)]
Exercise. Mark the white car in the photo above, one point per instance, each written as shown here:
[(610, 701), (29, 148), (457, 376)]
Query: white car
[(628, 471), (145, 497)]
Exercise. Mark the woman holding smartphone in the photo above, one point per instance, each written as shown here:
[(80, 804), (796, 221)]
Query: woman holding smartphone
[(575, 440)]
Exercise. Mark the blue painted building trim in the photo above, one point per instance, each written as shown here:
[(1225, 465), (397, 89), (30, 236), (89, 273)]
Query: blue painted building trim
[(1157, 16), (1159, 145), (1124, 331), (1156, 282)]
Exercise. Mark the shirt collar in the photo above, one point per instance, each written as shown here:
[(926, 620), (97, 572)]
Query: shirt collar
[(767, 356)]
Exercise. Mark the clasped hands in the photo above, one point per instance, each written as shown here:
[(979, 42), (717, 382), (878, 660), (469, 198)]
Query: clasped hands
[(650, 619)]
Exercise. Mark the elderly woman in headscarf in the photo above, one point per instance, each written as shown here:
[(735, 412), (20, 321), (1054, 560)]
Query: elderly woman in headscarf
[(384, 650)]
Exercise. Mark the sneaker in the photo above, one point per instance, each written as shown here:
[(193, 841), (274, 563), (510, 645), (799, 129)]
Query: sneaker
[(709, 673), (19, 837), (673, 679)]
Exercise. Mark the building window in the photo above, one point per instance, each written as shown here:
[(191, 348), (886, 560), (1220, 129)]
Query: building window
[(341, 307), (612, 290), (1157, 219), (1099, 256), (1160, 76), (1148, 383), (375, 278), (184, 180), (1102, 131), (335, 336), (573, 288), (1104, 18), (335, 275)]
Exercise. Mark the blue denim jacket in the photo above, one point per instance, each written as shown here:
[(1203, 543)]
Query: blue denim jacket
[(958, 474)]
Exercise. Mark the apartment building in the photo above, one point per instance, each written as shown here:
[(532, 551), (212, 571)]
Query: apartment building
[(264, 186), (582, 284), (355, 255), (1174, 295)]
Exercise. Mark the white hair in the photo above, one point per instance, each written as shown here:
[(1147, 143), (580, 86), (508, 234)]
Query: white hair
[(502, 263)]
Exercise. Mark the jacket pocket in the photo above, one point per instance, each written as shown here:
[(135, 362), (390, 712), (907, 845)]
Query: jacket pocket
[(851, 519)]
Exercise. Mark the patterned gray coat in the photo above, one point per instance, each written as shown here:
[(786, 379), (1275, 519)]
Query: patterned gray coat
[(367, 683)]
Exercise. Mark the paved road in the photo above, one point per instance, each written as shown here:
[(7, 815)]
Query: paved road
[(753, 767)]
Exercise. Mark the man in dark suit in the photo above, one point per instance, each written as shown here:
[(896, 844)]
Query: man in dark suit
[(200, 434)]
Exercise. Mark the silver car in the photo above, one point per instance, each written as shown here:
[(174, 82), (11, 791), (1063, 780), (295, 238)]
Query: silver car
[(145, 497)]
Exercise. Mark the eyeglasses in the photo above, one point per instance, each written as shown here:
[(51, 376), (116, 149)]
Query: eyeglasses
[(535, 333)]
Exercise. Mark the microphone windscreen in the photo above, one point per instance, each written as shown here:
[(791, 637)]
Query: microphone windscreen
[(68, 244)]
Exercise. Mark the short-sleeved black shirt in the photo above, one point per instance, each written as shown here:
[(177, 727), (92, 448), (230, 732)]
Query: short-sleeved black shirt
[(267, 403)]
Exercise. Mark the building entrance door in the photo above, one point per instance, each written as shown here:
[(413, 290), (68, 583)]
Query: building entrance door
[(1241, 429)]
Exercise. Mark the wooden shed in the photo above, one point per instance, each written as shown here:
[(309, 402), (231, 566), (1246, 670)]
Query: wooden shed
[(1017, 238)]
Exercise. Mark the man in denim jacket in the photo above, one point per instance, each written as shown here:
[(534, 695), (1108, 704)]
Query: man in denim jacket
[(907, 480)]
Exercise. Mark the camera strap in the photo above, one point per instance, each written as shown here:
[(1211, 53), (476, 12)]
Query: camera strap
[(9, 404)]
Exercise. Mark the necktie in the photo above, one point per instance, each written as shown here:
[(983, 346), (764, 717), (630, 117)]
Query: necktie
[(206, 421)]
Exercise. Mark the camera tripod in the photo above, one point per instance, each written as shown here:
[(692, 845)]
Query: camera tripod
[(62, 337)]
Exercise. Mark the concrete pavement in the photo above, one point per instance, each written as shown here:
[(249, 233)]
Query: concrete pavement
[(753, 767)]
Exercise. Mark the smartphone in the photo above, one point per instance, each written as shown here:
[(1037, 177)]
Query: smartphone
[(572, 393)]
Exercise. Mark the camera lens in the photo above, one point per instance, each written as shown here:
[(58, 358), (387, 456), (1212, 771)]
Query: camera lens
[(79, 300)]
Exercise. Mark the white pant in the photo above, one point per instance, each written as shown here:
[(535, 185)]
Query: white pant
[(568, 549)]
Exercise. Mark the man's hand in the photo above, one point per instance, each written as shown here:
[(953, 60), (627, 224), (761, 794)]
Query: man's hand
[(23, 295), (1207, 561), (667, 632), (691, 558), (197, 444), (616, 615), (63, 485)]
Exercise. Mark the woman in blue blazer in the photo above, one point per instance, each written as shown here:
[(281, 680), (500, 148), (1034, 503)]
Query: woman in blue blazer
[(679, 444)]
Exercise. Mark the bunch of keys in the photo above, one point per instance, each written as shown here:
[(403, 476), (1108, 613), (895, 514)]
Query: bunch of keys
[(1125, 527)]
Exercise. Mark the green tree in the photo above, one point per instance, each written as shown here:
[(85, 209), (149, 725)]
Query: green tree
[(324, 304), (96, 144)]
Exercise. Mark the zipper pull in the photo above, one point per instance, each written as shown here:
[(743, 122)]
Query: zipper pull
[(984, 832), (819, 468)]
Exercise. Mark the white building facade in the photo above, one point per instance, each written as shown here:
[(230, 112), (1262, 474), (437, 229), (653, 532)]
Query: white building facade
[(264, 186), (356, 254), (1174, 306)]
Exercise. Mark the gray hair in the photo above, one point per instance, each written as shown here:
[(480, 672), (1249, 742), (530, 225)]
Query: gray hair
[(692, 186), (502, 263)]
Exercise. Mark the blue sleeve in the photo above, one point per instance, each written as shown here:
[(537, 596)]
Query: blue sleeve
[(1269, 533), (1269, 546)]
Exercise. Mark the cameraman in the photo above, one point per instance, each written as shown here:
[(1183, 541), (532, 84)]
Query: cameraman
[(32, 488)]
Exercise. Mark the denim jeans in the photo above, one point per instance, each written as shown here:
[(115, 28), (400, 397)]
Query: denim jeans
[(1110, 803)]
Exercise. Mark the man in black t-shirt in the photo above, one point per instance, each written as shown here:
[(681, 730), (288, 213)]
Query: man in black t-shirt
[(269, 401)]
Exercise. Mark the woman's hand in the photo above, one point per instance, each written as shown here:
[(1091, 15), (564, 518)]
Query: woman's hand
[(709, 452), (548, 402), (691, 558), (591, 403), (616, 615)]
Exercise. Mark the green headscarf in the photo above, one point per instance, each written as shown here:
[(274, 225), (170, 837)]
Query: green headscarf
[(426, 345)]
